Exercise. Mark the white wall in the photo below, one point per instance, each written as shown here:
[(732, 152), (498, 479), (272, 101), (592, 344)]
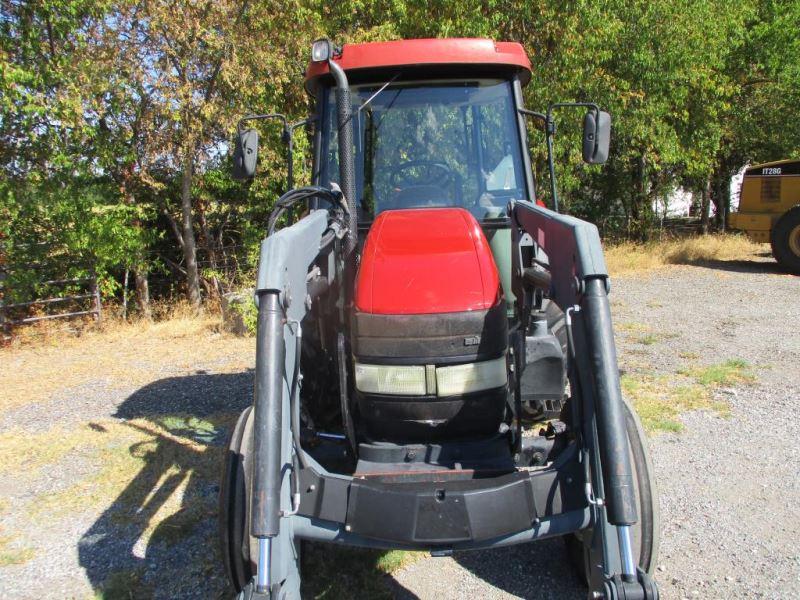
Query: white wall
[(679, 201)]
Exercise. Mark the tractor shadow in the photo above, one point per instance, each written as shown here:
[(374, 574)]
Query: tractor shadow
[(761, 263), (534, 570), (158, 538)]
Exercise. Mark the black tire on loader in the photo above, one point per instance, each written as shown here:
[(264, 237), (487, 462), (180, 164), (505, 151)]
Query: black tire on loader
[(646, 532), (785, 240), (233, 504)]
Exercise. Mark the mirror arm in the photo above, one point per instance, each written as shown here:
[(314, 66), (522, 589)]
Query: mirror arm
[(550, 130), (555, 105), (550, 126), (530, 113), (287, 137), (278, 116)]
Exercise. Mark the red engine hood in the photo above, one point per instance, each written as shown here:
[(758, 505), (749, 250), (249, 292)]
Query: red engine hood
[(424, 261)]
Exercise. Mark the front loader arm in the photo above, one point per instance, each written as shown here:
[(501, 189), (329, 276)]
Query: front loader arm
[(576, 279), (286, 285)]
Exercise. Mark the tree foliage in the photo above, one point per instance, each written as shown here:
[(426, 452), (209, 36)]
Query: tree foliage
[(116, 115)]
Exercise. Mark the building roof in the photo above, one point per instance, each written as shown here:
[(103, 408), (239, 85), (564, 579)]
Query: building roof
[(433, 53)]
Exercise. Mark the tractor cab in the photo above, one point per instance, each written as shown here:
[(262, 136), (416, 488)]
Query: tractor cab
[(435, 364), (422, 144), (438, 157), (434, 125)]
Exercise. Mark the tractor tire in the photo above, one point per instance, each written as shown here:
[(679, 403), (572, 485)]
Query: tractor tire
[(785, 240), (645, 533), (234, 500)]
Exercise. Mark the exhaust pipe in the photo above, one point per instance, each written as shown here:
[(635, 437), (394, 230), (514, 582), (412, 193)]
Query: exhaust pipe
[(347, 172)]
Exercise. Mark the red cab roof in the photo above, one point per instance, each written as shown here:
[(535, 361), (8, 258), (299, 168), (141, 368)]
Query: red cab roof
[(428, 52)]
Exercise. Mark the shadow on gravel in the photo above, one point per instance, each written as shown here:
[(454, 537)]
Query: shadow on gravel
[(536, 570), (134, 552), (742, 266)]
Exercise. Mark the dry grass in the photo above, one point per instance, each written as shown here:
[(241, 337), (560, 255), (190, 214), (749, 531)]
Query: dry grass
[(643, 334), (631, 258), (38, 365), (660, 399), (12, 554)]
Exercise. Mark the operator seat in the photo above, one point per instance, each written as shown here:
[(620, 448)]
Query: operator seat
[(418, 196)]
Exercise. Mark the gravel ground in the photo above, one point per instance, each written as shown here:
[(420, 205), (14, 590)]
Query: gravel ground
[(728, 485)]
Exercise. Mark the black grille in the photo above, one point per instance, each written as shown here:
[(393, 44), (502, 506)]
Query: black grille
[(771, 189)]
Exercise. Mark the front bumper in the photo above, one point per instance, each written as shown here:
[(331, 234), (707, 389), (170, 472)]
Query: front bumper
[(757, 226), (442, 508)]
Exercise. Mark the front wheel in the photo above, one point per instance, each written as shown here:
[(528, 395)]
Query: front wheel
[(234, 501), (645, 533), (239, 548), (785, 240)]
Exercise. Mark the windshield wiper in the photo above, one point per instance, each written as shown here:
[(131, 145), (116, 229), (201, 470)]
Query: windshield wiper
[(375, 95)]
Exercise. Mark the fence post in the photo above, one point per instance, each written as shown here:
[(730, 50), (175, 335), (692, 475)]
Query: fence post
[(5, 326), (95, 290)]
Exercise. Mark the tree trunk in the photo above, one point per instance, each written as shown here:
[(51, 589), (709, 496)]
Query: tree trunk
[(189, 245), (725, 194), (142, 291), (705, 205), (207, 243), (639, 208), (140, 270), (720, 196)]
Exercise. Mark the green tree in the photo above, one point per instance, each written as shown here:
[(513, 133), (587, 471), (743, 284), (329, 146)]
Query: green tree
[(758, 124)]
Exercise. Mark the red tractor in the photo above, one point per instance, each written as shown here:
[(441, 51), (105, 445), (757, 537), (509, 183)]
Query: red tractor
[(435, 362)]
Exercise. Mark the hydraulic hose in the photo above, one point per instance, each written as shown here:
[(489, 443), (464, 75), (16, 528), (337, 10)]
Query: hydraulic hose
[(291, 197)]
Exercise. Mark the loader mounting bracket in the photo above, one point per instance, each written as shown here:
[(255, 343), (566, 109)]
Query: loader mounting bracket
[(642, 587), (251, 593)]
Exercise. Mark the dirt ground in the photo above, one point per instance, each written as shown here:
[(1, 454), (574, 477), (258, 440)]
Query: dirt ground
[(110, 444)]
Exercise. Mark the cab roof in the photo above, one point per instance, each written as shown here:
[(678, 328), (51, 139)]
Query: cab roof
[(435, 57)]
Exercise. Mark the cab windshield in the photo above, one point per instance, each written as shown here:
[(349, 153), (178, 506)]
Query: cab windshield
[(430, 145)]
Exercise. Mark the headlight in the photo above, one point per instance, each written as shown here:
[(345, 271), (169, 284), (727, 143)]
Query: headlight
[(384, 379), (449, 381), (471, 377), (321, 50)]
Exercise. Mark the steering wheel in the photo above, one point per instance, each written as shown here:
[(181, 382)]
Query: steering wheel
[(426, 172), (425, 186)]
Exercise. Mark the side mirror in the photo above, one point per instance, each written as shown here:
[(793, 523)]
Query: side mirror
[(596, 137), (245, 154)]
